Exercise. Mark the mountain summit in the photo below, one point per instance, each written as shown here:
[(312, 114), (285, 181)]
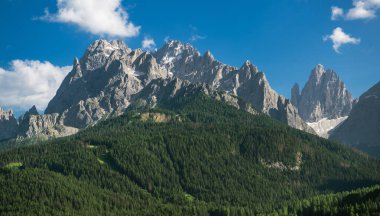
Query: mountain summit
[(109, 76), (324, 96)]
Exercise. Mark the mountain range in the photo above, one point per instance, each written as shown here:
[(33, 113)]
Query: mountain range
[(174, 132), (110, 77)]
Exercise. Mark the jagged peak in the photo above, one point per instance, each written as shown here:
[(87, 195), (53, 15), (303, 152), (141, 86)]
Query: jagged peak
[(105, 46), (6, 112), (208, 56), (318, 71), (296, 86), (249, 67), (332, 73), (178, 46), (33, 110), (76, 61)]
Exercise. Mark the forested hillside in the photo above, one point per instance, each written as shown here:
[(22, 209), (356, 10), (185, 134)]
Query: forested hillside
[(190, 155)]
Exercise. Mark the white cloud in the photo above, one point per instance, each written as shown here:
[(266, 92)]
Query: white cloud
[(336, 12), (362, 10), (339, 38), (100, 17), (28, 83), (148, 43)]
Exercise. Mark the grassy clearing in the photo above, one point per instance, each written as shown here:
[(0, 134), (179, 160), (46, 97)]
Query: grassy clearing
[(13, 165), (101, 161), (188, 197), (91, 147)]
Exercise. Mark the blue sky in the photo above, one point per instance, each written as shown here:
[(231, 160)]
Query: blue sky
[(284, 38)]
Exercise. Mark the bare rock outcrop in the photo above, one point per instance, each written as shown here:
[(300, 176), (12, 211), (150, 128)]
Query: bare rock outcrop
[(8, 124)]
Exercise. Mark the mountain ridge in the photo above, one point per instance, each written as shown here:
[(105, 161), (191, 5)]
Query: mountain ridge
[(104, 81)]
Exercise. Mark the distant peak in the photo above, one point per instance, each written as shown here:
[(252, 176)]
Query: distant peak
[(76, 61), (317, 72), (208, 55), (178, 45), (105, 45), (296, 86), (248, 66), (247, 62), (33, 110)]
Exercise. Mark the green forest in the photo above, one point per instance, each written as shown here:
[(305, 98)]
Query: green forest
[(190, 155)]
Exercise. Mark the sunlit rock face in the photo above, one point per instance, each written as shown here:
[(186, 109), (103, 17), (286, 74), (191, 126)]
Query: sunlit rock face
[(324, 96)]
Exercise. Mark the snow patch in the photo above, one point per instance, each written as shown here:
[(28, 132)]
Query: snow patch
[(324, 126)]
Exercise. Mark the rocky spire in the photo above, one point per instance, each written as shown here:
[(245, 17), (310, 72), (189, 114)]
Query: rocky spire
[(323, 96), (295, 96), (8, 124)]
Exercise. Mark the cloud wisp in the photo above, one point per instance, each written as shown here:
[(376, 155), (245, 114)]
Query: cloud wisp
[(99, 17), (27, 83), (148, 44), (340, 38), (194, 34)]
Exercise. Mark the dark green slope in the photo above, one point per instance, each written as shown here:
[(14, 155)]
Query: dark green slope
[(364, 201), (204, 157)]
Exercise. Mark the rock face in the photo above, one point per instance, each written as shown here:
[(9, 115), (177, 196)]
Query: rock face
[(324, 96), (185, 62), (161, 90), (31, 124), (102, 82), (8, 124), (362, 128)]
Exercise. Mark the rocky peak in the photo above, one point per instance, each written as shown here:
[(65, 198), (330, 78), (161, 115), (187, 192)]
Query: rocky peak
[(27, 115), (98, 52), (295, 95), (173, 51), (317, 73), (208, 57), (32, 111), (8, 124), (248, 70), (323, 96)]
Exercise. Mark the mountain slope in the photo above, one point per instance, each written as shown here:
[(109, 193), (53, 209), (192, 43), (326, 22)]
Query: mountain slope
[(190, 153), (361, 129)]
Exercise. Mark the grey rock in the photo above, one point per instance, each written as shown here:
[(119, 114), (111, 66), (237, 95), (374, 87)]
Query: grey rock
[(185, 62), (103, 82), (161, 90), (323, 96), (31, 124), (362, 128), (110, 76), (8, 124)]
